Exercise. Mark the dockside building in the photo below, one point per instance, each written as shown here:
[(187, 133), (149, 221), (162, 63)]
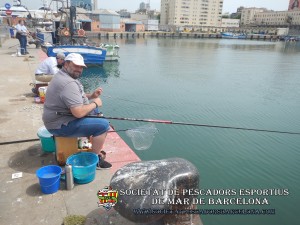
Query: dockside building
[(193, 13)]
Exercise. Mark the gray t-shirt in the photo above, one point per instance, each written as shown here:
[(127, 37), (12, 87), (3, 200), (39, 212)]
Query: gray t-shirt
[(62, 93)]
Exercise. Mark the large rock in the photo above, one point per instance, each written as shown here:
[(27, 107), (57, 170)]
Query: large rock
[(141, 184)]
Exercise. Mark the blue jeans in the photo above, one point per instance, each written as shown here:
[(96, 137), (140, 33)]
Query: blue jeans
[(83, 127), (23, 43)]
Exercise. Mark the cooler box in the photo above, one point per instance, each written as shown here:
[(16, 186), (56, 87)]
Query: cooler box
[(47, 140), (45, 37), (65, 147)]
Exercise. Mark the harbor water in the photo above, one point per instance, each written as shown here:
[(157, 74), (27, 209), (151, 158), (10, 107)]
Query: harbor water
[(237, 83)]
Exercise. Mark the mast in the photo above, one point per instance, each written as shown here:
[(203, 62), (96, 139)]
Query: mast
[(72, 19)]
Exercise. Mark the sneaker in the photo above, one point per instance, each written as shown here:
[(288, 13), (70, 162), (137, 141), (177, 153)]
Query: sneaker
[(103, 165)]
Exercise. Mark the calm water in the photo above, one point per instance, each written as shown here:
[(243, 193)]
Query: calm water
[(219, 82)]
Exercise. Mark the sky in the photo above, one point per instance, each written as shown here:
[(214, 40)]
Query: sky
[(228, 5), (132, 5)]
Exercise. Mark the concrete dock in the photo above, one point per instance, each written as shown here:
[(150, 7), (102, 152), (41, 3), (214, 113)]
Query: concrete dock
[(21, 200), (185, 35)]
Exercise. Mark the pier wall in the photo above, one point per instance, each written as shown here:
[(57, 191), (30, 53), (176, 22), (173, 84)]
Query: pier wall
[(127, 35)]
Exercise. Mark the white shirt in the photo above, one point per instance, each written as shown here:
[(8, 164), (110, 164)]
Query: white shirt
[(21, 29), (48, 66)]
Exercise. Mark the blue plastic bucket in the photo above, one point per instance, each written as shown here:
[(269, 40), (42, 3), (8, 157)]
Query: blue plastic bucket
[(83, 166), (49, 178)]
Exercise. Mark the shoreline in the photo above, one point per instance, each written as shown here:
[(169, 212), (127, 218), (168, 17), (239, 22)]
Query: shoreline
[(162, 34)]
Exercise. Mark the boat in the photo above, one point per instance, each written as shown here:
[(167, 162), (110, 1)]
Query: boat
[(291, 38), (231, 35), (16, 10), (91, 55), (68, 38), (112, 52)]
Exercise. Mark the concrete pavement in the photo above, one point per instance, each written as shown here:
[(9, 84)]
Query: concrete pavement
[(21, 200)]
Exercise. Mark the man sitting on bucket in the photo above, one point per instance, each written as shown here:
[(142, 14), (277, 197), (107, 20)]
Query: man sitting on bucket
[(48, 68), (65, 94)]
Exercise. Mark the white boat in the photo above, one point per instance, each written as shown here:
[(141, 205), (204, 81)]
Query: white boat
[(16, 11), (112, 52)]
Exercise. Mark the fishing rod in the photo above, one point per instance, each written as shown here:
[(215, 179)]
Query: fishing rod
[(37, 139), (18, 141), (181, 123), (30, 35), (13, 46)]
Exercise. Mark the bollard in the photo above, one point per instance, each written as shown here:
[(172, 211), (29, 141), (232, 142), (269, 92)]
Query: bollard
[(169, 177), (37, 44)]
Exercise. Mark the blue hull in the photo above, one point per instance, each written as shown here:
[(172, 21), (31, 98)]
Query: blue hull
[(91, 55), (233, 36)]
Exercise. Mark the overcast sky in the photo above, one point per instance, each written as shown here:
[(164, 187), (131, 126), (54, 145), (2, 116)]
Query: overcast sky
[(132, 5), (228, 5)]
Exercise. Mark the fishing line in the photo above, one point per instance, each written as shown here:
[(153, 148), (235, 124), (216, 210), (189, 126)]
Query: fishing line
[(183, 123), (127, 100)]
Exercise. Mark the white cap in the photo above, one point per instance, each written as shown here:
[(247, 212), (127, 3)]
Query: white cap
[(76, 58), (60, 55)]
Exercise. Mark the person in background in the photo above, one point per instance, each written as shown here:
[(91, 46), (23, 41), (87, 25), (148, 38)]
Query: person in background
[(65, 94), (21, 35), (49, 67)]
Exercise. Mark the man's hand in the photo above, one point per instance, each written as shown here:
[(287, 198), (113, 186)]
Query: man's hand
[(83, 110), (96, 93)]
